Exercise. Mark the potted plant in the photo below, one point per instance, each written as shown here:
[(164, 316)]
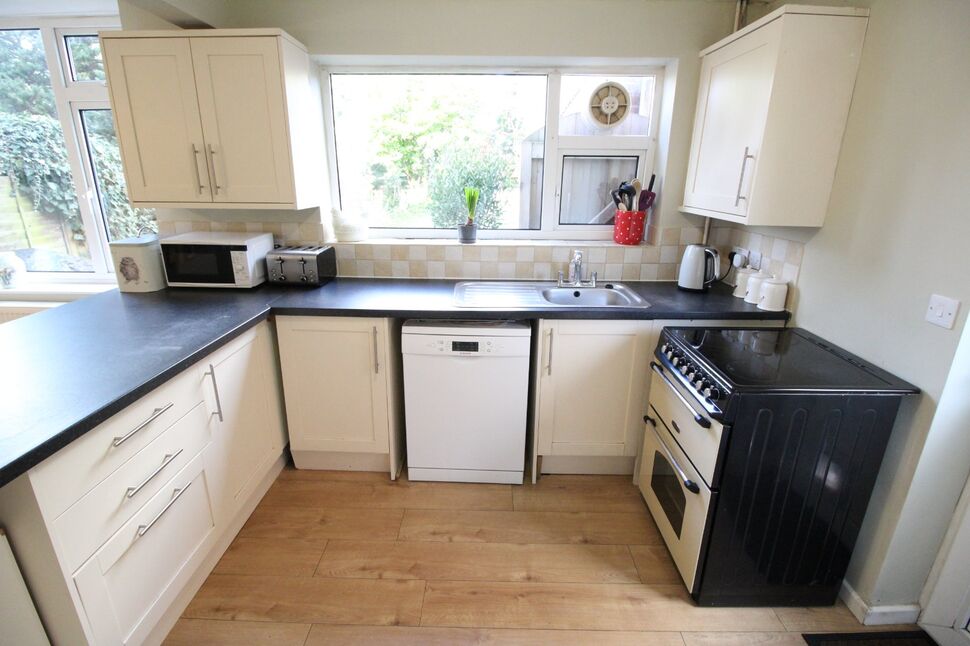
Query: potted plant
[(469, 231)]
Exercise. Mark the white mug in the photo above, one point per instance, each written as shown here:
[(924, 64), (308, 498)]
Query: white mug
[(752, 292), (774, 292), (741, 278)]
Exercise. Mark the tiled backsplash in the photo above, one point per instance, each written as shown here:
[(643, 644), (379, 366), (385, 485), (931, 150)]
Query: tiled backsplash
[(507, 259), (780, 257), (444, 258)]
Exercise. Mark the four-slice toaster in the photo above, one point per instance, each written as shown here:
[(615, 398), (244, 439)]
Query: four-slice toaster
[(302, 265)]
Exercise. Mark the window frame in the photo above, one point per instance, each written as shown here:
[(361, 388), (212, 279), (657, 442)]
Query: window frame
[(70, 97), (555, 146)]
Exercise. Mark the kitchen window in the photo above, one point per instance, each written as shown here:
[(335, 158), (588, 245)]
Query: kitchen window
[(62, 189), (545, 147)]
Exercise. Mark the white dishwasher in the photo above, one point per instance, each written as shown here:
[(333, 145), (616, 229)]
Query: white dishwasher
[(466, 389)]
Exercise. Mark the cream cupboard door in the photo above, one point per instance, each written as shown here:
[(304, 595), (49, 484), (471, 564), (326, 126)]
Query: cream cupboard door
[(159, 129), (245, 428), (335, 384), (732, 109), (592, 387), (240, 89)]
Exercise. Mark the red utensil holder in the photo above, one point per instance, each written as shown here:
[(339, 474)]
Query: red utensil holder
[(628, 227)]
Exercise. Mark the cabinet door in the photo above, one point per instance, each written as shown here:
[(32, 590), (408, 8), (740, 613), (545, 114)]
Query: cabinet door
[(240, 87), (335, 385), (592, 387), (157, 113), (732, 108), (245, 429)]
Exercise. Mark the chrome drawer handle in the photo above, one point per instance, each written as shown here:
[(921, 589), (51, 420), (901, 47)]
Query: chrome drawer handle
[(118, 441), (143, 529), (744, 165), (377, 361), (132, 491), (689, 484), (211, 372), (700, 419)]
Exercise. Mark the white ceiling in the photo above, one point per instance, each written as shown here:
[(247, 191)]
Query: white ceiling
[(13, 8)]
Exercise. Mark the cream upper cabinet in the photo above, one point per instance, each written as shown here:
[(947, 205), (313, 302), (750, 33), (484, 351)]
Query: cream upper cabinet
[(216, 118), (157, 115), (591, 387), (771, 110), (341, 381)]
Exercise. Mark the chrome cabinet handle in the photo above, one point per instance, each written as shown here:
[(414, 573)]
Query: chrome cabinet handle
[(689, 484), (377, 361), (141, 485), (215, 176), (195, 162), (700, 419), (118, 441), (211, 372), (143, 529), (744, 165), (549, 364)]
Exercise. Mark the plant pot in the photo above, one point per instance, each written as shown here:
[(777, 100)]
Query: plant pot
[(467, 233)]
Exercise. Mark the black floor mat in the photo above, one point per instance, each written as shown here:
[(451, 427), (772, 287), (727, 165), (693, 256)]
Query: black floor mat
[(903, 638)]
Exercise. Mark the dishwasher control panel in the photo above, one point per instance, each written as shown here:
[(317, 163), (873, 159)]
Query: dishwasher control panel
[(465, 346)]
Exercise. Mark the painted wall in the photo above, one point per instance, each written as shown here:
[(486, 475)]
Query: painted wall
[(896, 232)]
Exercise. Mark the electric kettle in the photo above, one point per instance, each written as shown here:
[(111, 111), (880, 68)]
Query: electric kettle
[(699, 268)]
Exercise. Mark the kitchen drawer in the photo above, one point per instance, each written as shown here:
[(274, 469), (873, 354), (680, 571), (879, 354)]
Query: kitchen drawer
[(94, 518), (65, 477), (120, 585), (699, 443)]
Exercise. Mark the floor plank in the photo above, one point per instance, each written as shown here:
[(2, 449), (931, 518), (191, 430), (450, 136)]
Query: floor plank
[(273, 556), (315, 523), (582, 606), (530, 527), (192, 632), (383, 493), (741, 639), (834, 619), (311, 600), (407, 636), (579, 493), (479, 562), (654, 564)]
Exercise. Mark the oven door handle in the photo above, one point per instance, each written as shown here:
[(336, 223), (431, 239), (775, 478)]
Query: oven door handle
[(700, 419), (689, 484)]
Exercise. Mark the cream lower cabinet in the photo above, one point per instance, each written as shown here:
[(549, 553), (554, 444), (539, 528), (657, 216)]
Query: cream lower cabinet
[(115, 532), (590, 385), (342, 385)]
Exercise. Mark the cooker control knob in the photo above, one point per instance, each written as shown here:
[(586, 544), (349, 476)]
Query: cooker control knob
[(690, 373), (664, 348), (699, 383), (706, 392), (715, 393), (675, 360), (684, 367)]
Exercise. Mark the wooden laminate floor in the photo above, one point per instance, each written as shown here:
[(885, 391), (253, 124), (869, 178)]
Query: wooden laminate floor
[(353, 558)]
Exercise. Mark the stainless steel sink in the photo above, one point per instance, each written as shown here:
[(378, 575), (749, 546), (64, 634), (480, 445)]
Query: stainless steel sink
[(522, 294)]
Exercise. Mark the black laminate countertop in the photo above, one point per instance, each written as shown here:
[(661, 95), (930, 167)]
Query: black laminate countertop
[(65, 370)]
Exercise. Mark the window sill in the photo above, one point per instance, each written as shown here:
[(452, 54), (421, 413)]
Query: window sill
[(496, 242), (53, 292)]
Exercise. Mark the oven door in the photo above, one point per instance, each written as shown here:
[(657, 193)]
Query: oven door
[(191, 265), (677, 497)]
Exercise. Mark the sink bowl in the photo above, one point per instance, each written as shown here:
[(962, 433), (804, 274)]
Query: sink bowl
[(525, 294), (613, 296)]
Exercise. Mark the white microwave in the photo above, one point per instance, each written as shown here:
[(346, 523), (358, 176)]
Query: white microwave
[(215, 259)]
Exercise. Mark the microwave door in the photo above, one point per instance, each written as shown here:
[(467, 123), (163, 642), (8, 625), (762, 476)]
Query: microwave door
[(198, 264)]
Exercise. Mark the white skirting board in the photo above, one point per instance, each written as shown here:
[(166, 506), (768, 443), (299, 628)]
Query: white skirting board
[(877, 615), (588, 464)]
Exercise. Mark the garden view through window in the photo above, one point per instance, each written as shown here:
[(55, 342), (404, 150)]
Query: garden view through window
[(47, 170), (406, 144)]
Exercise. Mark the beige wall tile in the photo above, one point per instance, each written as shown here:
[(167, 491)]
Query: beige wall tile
[(436, 268), (543, 254), (364, 251), (489, 254), (381, 252), (399, 252), (365, 268), (453, 253), (507, 254), (471, 253), (489, 270), (452, 269), (649, 272), (525, 254), (667, 271), (435, 252), (346, 267), (614, 255), (400, 269), (560, 254), (524, 270), (417, 252), (614, 271), (506, 270), (543, 271), (630, 272), (418, 269), (595, 255), (669, 253)]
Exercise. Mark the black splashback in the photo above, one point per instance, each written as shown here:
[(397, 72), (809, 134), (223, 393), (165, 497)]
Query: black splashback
[(797, 476)]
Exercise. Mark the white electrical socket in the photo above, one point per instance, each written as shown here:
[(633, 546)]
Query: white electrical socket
[(755, 260), (740, 257), (942, 311)]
